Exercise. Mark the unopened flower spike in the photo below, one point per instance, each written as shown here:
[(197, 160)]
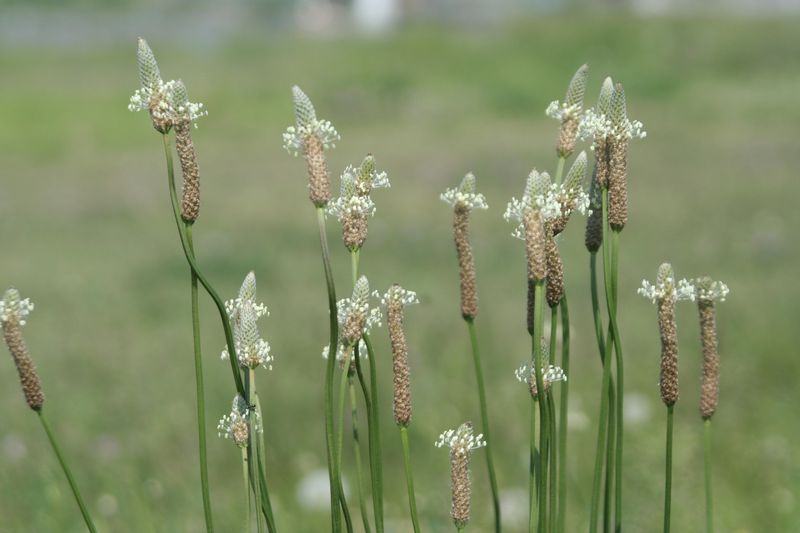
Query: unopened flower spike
[(13, 312), (553, 201), (609, 119), (395, 300), (461, 443), (251, 350), (465, 196), (356, 318), (569, 112), (573, 195), (236, 425), (311, 137)]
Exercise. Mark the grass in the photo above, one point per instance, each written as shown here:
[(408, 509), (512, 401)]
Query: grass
[(86, 231)]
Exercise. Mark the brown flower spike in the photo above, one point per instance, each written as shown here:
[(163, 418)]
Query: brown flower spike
[(461, 443), (618, 162), (395, 300), (190, 204), (12, 317), (463, 200), (706, 291), (569, 113)]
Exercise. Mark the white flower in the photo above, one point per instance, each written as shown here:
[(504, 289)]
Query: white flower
[(708, 290), (160, 100), (562, 112), (550, 199), (594, 125), (342, 350), (665, 287), (12, 306), (461, 441), (251, 350), (465, 195), (236, 425), (527, 374), (354, 205), (397, 294), (294, 137)]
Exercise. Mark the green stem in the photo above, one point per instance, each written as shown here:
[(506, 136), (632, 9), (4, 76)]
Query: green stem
[(376, 467), (533, 493), (340, 443), (668, 474), (354, 256), (200, 391), (252, 443), (707, 464), (357, 450), (67, 472), (266, 504), (560, 169), (333, 470), (246, 474), (553, 494), (610, 457), (563, 413), (620, 381), (538, 359), (412, 500), (476, 359)]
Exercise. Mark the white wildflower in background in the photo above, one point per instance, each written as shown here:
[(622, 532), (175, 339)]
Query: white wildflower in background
[(397, 294), (236, 425), (307, 124), (461, 441), (11, 306), (465, 195)]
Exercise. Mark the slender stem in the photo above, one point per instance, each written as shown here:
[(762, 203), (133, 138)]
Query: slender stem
[(252, 446), (187, 251), (67, 472), (603, 418), (608, 497), (354, 256), (534, 468), (563, 413), (538, 359), (200, 391), (376, 467), (333, 469), (560, 169), (246, 475), (266, 505), (362, 503), (620, 382), (553, 494), (340, 443), (668, 474), (412, 500), (476, 359), (707, 464)]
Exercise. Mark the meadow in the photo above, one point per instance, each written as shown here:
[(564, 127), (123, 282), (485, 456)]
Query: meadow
[(87, 233)]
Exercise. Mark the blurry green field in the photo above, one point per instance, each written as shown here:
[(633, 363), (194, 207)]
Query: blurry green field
[(86, 232)]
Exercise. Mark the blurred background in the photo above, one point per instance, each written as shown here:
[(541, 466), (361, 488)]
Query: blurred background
[(433, 90)]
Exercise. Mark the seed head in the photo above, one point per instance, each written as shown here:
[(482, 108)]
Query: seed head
[(395, 300), (535, 246), (13, 311), (555, 271), (461, 443), (236, 425), (354, 314), (707, 291)]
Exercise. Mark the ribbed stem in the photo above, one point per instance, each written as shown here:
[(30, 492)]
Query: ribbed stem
[(333, 469), (200, 392), (412, 499), (533, 490), (620, 400), (553, 494), (340, 441), (476, 360), (266, 504), (563, 414), (252, 443), (376, 466), (668, 473), (362, 502), (707, 464), (538, 360), (608, 495), (67, 472), (246, 476), (560, 169)]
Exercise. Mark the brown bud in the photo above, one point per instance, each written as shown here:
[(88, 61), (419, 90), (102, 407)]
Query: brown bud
[(460, 487), (567, 136), (190, 205), (402, 384), (601, 161), (318, 181), (593, 237), (466, 263), (709, 392), (618, 184), (535, 245), (354, 230), (669, 350), (28, 378), (555, 272)]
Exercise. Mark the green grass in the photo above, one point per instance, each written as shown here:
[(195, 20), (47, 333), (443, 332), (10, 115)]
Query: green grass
[(86, 232)]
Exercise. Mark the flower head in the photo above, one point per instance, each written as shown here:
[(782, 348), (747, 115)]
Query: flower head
[(356, 318), (236, 425), (465, 196), (573, 101), (666, 288), (708, 290), (461, 441), (398, 295), (251, 350), (12, 307), (609, 120), (527, 374), (306, 125)]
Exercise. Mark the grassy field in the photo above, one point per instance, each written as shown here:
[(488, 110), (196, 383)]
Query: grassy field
[(86, 232)]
